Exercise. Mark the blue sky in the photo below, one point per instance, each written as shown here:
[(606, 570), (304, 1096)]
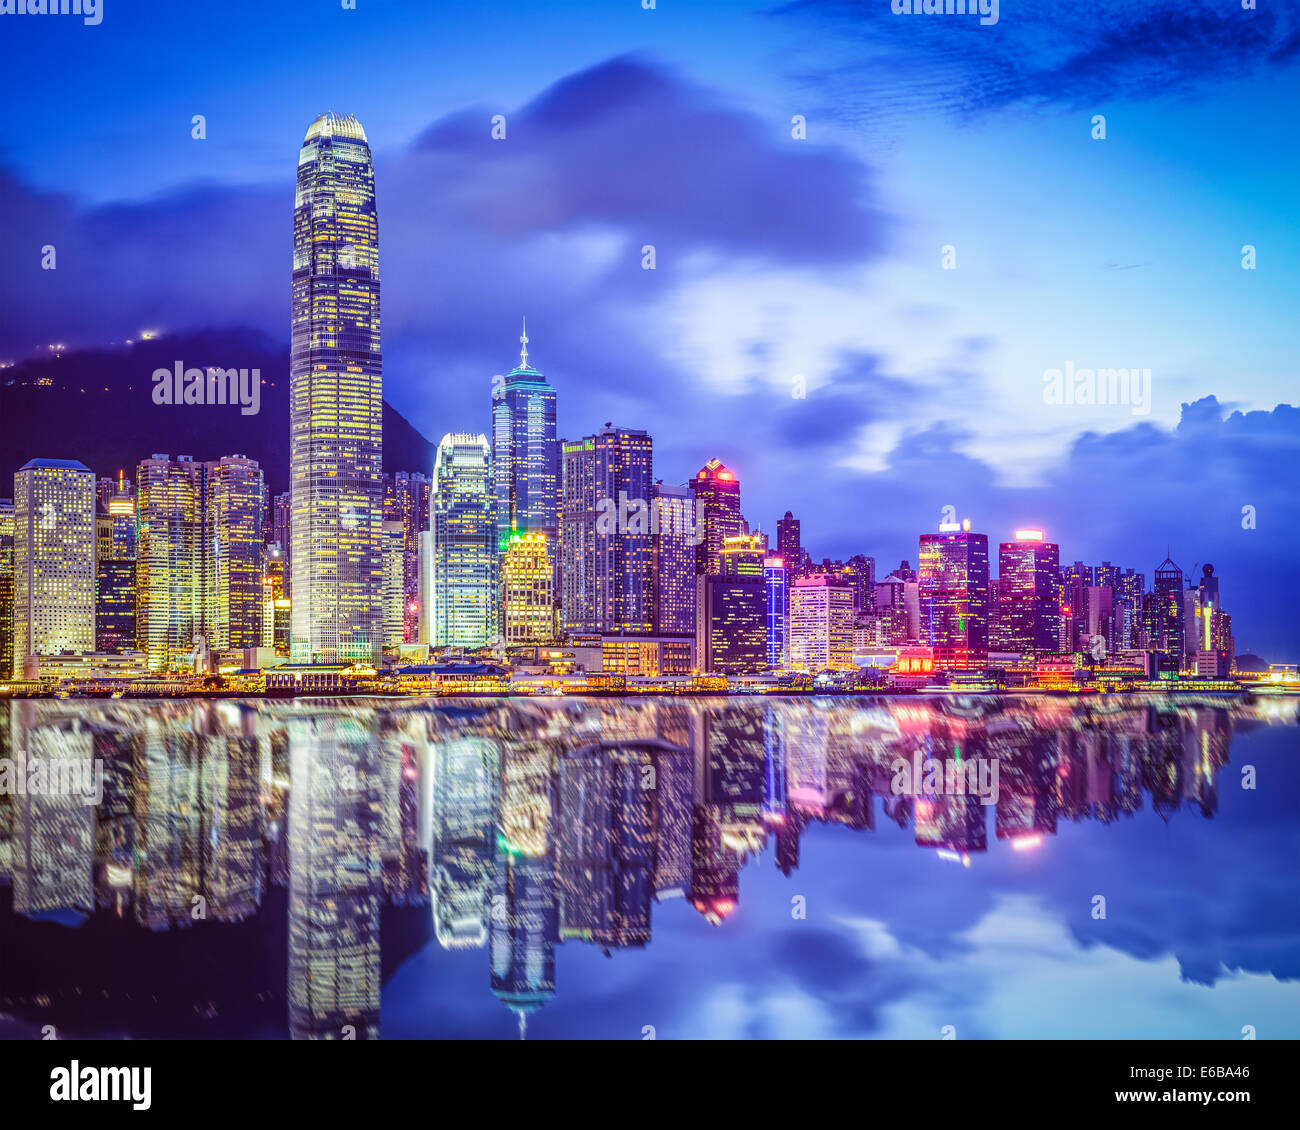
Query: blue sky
[(778, 260)]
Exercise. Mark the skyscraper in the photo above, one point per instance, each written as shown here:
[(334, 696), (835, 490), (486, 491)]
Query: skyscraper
[(463, 601), (775, 582), (394, 594), (233, 548), (1028, 612), (1168, 625), (528, 590), (199, 559), (411, 495), (674, 560), (169, 580), (788, 546), (717, 509), (821, 623), (336, 399), (54, 559), (525, 454), (731, 631), (954, 596), (606, 538)]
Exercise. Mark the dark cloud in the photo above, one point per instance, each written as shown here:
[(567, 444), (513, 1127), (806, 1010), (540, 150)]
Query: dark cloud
[(1047, 51)]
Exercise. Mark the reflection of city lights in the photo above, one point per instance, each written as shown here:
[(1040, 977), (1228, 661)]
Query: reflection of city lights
[(1026, 843)]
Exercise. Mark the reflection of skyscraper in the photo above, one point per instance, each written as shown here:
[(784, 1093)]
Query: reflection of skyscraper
[(463, 573), (334, 877), (54, 559), (336, 399), (524, 918), (53, 833), (463, 846)]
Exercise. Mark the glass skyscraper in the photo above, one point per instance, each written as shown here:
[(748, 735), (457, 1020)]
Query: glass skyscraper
[(525, 454), (54, 559), (717, 509), (336, 400), (1028, 611), (606, 538), (463, 604), (674, 560), (954, 596)]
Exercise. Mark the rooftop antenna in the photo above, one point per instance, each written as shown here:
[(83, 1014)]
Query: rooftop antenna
[(523, 341)]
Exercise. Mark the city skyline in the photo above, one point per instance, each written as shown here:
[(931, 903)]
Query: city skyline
[(919, 380)]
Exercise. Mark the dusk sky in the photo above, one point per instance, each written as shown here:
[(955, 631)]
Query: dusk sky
[(778, 260)]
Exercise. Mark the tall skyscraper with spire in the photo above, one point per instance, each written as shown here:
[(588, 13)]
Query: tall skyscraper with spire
[(525, 453), (336, 400)]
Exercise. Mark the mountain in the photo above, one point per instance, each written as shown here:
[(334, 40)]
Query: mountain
[(96, 405)]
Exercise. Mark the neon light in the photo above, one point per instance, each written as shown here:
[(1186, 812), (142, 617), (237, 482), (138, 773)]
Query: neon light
[(1029, 535)]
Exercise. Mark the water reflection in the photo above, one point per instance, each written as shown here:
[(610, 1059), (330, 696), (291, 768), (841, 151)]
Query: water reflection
[(260, 867)]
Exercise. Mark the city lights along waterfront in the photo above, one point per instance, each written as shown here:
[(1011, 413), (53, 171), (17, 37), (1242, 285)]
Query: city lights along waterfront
[(525, 563)]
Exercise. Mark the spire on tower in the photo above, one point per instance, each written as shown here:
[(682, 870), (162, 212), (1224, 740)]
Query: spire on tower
[(523, 341)]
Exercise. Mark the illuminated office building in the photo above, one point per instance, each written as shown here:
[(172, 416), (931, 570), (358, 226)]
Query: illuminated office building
[(276, 607), (1028, 610), (199, 559), (774, 582), (232, 550), (606, 536), (717, 510), (528, 589), (392, 556), (169, 579), (674, 560), (406, 499), (462, 602), (525, 454), (731, 633), (860, 571), (1167, 625), (336, 400), (114, 605), (54, 559), (789, 548), (821, 623), (954, 596)]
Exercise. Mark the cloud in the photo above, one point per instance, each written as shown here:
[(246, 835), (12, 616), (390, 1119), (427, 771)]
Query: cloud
[(1047, 52)]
